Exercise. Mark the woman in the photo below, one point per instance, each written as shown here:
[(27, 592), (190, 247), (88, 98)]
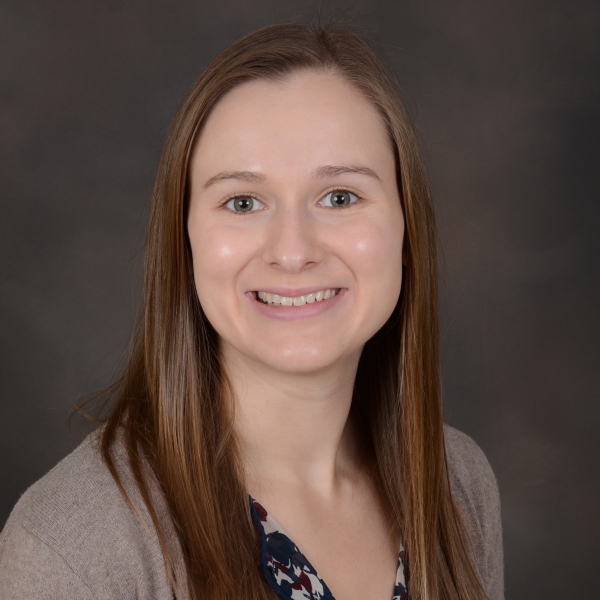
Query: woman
[(283, 390)]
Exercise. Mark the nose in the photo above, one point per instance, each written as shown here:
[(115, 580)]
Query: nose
[(292, 243)]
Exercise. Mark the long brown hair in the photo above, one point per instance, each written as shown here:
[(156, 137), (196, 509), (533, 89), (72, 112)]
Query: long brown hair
[(171, 404)]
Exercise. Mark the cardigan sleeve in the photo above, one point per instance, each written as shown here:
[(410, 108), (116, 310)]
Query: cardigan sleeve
[(29, 568), (72, 535), (475, 491)]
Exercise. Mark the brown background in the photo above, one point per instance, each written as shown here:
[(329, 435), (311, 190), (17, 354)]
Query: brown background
[(506, 98)]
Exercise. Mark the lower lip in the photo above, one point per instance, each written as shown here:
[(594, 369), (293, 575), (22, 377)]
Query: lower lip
[(291, 313)]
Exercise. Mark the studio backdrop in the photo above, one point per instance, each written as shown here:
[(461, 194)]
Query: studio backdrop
[(505, 97)]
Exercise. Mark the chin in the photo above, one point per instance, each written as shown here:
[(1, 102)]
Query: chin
[(298, 360)]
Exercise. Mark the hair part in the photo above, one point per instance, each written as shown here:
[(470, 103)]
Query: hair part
[(172, 404)]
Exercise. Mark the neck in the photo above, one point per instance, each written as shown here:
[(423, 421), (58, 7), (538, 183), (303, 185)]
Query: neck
[(293, 428)]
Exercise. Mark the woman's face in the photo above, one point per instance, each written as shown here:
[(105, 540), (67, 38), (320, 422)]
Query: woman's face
[(293, 198)]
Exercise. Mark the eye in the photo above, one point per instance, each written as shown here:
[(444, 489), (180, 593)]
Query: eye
[(339, 199), (243, 204)]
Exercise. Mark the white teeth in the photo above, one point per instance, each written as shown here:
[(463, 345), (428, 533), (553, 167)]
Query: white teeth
[(276, 300)]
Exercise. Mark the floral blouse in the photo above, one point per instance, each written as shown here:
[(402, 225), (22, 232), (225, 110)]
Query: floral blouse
[(288, 571)]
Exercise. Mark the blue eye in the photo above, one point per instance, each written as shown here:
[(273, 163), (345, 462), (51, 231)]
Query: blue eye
[(244, 204), (339, 199)]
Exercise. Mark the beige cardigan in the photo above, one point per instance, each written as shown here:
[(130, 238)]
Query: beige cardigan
[(73, 536)]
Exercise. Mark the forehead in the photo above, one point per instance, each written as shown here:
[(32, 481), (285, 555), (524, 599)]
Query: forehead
[(309, 118)]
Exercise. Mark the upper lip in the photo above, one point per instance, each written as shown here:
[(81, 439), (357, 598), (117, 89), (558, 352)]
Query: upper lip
[(295, 292)]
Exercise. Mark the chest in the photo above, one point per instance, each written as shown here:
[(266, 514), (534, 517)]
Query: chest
[(332, 556)]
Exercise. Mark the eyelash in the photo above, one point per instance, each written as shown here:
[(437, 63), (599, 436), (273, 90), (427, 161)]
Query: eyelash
[(346, 191), (249, 195), (223, 204)]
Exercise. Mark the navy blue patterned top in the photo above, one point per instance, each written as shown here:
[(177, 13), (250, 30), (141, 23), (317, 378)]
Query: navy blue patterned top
[(288, 571)]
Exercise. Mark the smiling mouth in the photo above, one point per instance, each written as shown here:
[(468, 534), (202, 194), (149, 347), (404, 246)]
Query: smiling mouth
[(276, 300)]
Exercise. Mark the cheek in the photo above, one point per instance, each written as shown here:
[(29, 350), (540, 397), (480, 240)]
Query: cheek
[(374, 251), (218, 253), (377, 264)]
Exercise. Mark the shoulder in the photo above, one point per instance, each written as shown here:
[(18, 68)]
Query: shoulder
[(469, 468), (74, 530), (475, 492)]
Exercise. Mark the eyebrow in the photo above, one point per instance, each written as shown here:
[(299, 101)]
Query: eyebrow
[(333, 170), (236, 175), (325, 171)]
